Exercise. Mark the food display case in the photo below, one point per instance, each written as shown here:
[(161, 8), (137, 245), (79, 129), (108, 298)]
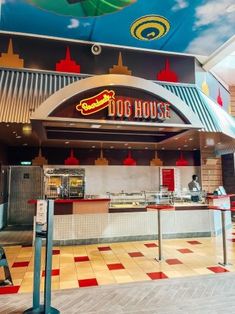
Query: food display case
[(123, 201), (64, 183)]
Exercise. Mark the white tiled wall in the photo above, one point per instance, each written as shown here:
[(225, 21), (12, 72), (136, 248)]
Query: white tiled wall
[(87, 226)]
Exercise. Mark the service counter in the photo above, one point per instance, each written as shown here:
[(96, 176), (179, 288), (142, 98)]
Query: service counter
[(89, 221), (79, 206), (222, 201)]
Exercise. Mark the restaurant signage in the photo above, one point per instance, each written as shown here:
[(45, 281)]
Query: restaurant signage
[(130, 108)]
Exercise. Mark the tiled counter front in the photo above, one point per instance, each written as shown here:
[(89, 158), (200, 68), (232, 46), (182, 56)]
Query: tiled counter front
[(95, 228)]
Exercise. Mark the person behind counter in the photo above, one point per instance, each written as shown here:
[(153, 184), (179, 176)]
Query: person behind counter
[(194, 188)]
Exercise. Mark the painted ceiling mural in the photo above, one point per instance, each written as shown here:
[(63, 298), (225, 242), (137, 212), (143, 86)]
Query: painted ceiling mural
[(197, 27)]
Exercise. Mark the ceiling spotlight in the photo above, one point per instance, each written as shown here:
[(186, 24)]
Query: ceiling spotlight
[(25, 144), (67, 142), (93, 146), (126, 144), (111, 147), (14, 132), (185, 145), (179, 148), (146, 148), (190, 139), (18, 136), (7, 125), (163, 148), (27, 129), (129, 147)]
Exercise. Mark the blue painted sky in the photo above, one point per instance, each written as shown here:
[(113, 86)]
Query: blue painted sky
[(197, 27)]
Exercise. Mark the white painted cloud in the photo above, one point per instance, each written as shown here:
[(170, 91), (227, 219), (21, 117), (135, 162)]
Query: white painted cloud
[(213, 11), (210, 39), (214, 24), (180, 4), (74, 23)]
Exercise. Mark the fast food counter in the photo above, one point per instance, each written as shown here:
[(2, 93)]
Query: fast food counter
[(79, 206)]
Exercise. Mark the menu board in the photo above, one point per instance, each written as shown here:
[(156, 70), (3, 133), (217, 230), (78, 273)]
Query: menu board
[(168, 178)]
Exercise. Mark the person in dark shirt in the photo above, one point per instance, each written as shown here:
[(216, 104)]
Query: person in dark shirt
[(194, 188)]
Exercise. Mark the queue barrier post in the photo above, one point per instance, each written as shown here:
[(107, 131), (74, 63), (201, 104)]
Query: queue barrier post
[(3, 263), (159, 209), (224, 233), (40, 234)]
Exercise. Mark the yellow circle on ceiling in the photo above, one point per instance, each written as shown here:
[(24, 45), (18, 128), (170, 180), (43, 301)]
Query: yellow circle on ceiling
[(150, 27)]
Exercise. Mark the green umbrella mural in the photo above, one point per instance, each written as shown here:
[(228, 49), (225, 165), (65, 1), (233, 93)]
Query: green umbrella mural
[(82, 8)]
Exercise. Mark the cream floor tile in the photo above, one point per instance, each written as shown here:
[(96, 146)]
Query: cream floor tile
[(202, 271), (121, 276), (104, 278), (85, 275), (69, 284), (17, 282), (97, 266), (139, 276)]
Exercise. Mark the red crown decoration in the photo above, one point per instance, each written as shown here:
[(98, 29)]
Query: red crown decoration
[(167, 74), (181, 161), (67, 65), (129, 161), (219, 99), (71, 160)]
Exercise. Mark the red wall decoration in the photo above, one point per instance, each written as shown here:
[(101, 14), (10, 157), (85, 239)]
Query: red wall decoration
[(168, 178), (219, 99), (71, 160), (181, 161), (167, 74), (67, 64), (129, 161)]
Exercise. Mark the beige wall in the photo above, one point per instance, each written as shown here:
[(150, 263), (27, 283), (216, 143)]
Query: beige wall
[(211, 175), (232, 100)]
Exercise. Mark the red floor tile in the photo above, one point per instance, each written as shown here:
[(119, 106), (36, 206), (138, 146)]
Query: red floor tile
[(184, 251), (194, 242), (9, 289), (115, 266), (218, 269), (20, 264), (150, 244), (135, 254), (81, 259), (232, 240), (104, 248), (173, 261), (233, 233), (87, 282), (55, 252), (54, 272), (157, 275)]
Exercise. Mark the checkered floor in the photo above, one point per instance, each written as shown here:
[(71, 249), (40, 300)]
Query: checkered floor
[(114, 263)]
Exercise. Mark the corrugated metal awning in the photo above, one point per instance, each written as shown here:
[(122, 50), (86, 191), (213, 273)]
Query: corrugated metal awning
[(23, 91)]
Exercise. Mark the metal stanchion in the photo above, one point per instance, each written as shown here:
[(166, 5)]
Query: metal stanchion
[(224, 237), (45, 308), (159, 236), (3, 263), (159, 208)]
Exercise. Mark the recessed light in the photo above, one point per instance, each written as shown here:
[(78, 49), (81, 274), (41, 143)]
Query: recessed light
[(7, 125), (118, 126), (111, 147), (14, 132), (71, 124), (190, 139), (179, 148), (163, 148), (25, 144), (195, 149), (95, 126), (18, 136), (205, 146), (185, 145), (67, 142), (146, 148), (126, 144), (219, 143), (129, 147), (176, 138), (93, 146)]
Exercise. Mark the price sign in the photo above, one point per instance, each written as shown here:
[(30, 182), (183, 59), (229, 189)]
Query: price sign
[(41, 215)]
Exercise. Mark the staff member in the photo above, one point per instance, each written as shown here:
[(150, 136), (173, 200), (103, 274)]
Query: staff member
[(194, 188)]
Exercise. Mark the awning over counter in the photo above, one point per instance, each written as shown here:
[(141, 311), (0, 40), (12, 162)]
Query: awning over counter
[(23, 91)]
